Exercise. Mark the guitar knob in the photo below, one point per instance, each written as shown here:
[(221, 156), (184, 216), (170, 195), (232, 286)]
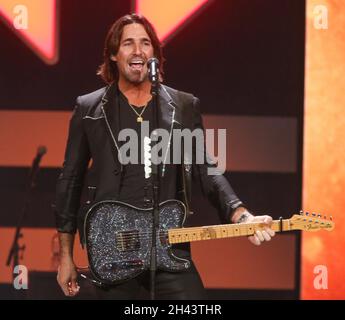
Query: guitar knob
[(301, 212)]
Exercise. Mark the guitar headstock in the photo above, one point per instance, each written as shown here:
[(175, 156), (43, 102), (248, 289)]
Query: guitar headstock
[(311, 222)]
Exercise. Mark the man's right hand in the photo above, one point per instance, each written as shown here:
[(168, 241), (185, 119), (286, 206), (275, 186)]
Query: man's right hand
[(67, 277)]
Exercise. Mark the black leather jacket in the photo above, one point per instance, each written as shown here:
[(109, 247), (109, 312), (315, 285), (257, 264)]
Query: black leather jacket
[(93, 135)]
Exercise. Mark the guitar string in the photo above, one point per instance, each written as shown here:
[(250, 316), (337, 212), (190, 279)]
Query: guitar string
[(196, 229), (181, 232), (146, 235), (124, 241), (128, 239), (134, 235)]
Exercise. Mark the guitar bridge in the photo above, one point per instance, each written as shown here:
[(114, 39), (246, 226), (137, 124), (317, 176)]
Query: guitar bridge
[(121, 265)]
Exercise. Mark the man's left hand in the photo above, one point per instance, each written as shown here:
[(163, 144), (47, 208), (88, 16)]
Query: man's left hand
[(261, 235), (242, 215)]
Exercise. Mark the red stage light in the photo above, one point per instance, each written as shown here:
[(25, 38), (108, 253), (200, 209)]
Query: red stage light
[(35, 22), (168, 16)]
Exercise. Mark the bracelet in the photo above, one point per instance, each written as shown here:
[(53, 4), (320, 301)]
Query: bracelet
[(243, 218)]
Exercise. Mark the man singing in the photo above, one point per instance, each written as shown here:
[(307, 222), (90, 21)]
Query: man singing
[(98, 117)]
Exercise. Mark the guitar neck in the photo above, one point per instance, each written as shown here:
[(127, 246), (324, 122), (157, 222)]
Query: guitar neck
[(224, 231)]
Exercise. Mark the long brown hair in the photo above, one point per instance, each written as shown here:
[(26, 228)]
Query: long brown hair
[(108, 69)]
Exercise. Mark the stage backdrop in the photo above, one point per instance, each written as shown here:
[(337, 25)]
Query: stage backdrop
[(323, 268)]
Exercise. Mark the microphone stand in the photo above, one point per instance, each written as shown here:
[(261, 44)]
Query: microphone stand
[(13, 254), (155, 192)]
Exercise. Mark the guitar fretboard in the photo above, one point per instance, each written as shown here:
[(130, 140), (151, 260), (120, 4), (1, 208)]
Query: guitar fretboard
[(224, 231)]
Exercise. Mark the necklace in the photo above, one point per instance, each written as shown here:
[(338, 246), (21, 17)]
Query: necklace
[(139, 118)]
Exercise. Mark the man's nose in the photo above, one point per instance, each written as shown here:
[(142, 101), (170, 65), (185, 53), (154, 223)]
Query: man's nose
[(137, 49)]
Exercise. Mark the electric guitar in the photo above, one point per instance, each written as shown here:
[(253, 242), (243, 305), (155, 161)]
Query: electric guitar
[(119, 236)]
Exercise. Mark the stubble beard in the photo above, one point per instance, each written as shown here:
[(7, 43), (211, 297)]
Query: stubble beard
[(135, 78)]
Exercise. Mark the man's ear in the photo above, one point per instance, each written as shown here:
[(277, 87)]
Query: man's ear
[(113, 58)]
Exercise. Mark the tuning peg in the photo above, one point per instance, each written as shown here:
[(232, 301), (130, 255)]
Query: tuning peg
[(331, 218), (301, 212), (313, 214), (325, 217), (307, 213), (319, 215)]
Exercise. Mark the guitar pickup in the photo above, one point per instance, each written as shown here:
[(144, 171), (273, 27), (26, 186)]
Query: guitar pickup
[(127, 240)]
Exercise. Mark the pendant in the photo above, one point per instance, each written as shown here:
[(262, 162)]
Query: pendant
[(140, 119)]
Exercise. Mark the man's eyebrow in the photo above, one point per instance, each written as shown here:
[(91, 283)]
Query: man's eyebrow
[(127, 39), (132, 39)]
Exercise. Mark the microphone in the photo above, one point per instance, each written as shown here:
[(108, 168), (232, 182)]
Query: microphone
[(153, 67), (13, 255), (41, 151)]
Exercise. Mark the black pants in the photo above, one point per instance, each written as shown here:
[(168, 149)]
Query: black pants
[(185, 285)]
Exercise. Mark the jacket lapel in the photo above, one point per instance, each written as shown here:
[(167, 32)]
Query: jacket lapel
[(167, 109), (167, 118), (109, 108)]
